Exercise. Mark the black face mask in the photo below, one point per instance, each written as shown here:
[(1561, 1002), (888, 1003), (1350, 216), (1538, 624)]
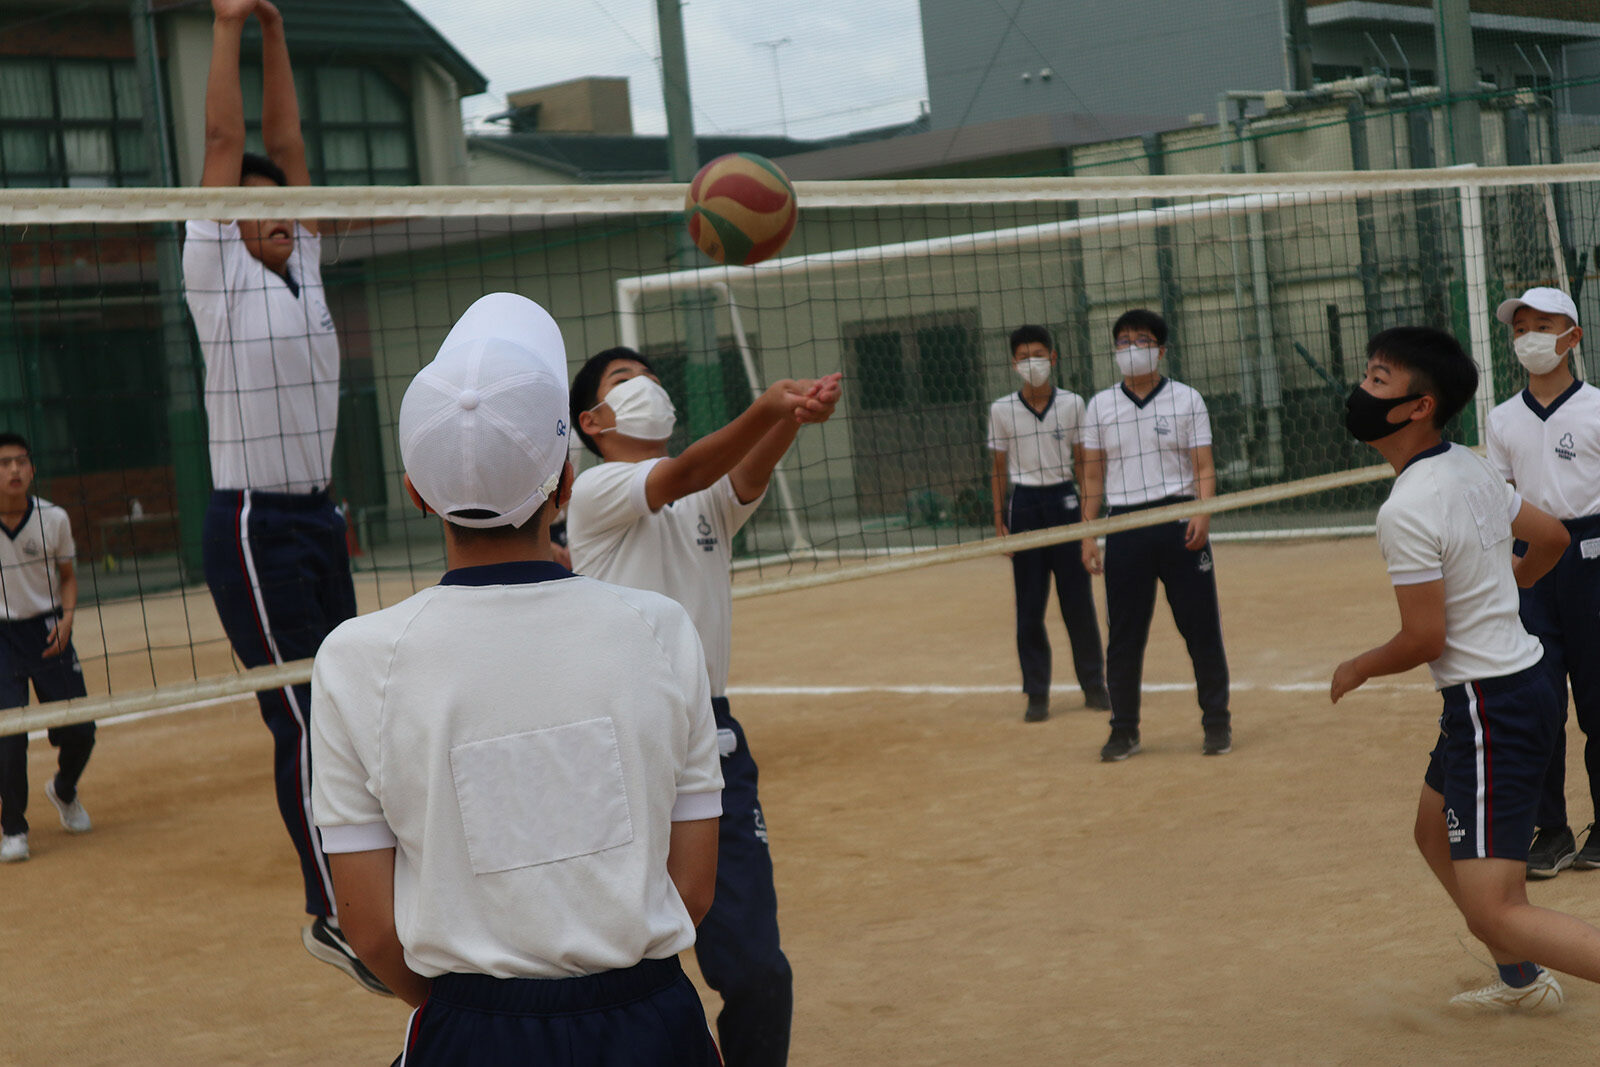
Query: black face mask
[(1367, 416)]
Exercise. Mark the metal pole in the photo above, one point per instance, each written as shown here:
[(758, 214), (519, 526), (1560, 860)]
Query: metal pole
[(703, 369), (777, 78), (1458, 67)]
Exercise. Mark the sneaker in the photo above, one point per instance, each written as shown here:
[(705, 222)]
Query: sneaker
[(13, 848), (1097, 699), (73, 818), (1551, 853), (1588, 857), (1038, 708), (1219, 741), (1123, 743), (324, 941), (1540, 997)]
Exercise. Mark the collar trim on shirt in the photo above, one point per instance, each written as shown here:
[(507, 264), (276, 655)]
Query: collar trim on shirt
[(26, 515), (1160, 385), (1048, 404), (521, 572), (1427, 453), (1543, 412)]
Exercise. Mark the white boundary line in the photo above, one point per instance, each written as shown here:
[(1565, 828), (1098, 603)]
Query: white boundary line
[(845, 690)]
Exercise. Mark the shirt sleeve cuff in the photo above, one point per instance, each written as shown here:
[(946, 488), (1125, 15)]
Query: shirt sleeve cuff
[(691, 807), (1433, 574), (639, 491), (1516, 505), (363, 837)]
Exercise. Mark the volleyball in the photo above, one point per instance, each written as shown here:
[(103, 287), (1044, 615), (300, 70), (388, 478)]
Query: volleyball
[(740, 209)]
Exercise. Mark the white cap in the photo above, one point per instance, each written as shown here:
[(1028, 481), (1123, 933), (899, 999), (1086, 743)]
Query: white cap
[(483, 428), (1540, 298)]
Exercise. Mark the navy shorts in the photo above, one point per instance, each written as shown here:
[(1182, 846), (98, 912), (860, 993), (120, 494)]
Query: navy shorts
[(647, 1015), (1495, 740)]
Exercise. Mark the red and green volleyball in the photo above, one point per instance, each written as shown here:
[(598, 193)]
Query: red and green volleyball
[(740, 209)]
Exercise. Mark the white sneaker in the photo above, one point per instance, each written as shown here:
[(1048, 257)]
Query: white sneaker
[(1540, 997), (73, 818), (13, 848)]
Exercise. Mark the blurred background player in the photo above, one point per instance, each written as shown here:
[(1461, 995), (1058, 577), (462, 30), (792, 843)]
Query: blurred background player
[(276, 560), (1546, 442), (525, 845), (1446, 533), (39, 597), (1036, 437), (666, 523), (1146, 444)]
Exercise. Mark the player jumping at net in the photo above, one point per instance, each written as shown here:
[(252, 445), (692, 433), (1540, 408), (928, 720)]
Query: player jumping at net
[(1146, 444), (1036, 436), (666, 523), (1546, 442), (1446, 534), (524, 845), (38, 599), (274, 543)]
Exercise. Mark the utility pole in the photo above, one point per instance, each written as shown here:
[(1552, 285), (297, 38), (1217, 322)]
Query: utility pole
[(1458, 80), (1297, 31), (777, 77), (703, 370)]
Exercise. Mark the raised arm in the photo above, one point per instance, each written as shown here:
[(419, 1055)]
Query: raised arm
[(280, 108), (752, 473), (708, 459), (224, 100)]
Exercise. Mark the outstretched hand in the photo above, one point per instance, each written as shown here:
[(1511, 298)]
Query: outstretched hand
[(821, 396), (237, 10)]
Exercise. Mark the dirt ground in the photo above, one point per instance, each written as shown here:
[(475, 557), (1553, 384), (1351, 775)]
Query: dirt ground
[(957, 887)]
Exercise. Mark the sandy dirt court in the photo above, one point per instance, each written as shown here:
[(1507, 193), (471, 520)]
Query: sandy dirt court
[(956, 886)]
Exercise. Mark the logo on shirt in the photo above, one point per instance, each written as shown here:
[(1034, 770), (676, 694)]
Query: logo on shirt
[(1059, 434), (1567, 448), (1163, 427), (32, 548), (761, 826), (707, 540), (1453, 825), (324, 319), (1205, 564)]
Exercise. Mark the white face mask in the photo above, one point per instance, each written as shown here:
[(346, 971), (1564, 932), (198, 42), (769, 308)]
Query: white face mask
[(1537, 351), (1138, 361), (643, 409), (1035, 370)]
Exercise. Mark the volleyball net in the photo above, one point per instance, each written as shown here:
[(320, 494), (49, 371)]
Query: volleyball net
[(1270, 284)]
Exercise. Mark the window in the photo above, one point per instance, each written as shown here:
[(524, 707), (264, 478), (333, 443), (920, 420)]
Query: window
[(71, 123), (357, 125)]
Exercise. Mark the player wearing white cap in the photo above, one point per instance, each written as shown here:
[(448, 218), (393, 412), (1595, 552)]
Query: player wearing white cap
[(1546, 442), (516, 772), (653, 521)]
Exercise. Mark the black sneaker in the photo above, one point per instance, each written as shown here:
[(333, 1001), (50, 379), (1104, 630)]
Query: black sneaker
[(1588, 857), (1097, 699), (327, 944), (1038, 708), (1552, 852), (1219, 741), (1123, 743)]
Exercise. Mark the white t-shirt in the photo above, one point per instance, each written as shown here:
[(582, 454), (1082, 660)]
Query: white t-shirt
[(684, 551), (30, 561), (272, 361), (523, 739), (1551, 453), (1448, 517), (1147, 443), (1038, 447)]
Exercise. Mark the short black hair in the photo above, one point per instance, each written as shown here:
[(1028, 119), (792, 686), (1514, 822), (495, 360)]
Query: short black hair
[(1437, 363), (1141, 319), (1030, 334), (8, 438), (586, 386), (261, 165)]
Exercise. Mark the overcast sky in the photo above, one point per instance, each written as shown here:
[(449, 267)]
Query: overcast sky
[(847, 65)]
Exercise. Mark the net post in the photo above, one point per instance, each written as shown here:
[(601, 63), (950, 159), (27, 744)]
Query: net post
[(1475, 265)]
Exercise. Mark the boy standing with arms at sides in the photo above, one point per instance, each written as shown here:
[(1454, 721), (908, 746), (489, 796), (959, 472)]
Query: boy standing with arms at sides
[(1546, 442), (666, 523), (524, 843), (38, 597), (1147, 444), (274, 542), (1036, 437), (1446, 533)]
